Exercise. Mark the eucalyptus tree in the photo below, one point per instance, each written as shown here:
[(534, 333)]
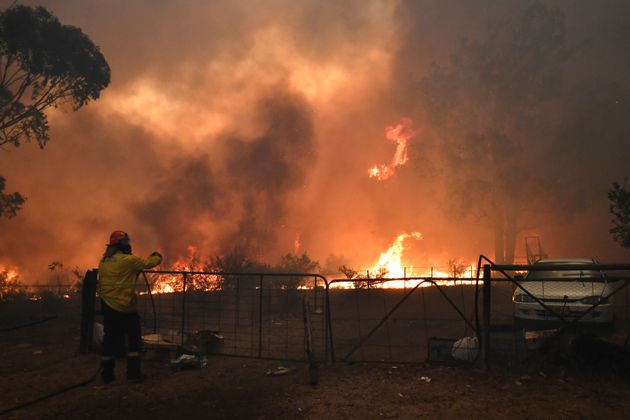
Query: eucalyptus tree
[(43, 64)]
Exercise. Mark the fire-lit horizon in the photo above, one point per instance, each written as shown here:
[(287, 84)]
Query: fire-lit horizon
[(381, 136)]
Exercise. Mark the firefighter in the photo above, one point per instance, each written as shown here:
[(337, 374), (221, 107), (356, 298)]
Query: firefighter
[(117, 273)]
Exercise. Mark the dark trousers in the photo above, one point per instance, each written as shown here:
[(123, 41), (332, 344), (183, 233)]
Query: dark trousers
[(118, 327)]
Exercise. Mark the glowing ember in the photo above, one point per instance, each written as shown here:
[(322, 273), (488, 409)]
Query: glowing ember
[(399, 134)]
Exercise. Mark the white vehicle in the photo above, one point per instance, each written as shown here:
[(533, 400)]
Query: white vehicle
[(570, 293)]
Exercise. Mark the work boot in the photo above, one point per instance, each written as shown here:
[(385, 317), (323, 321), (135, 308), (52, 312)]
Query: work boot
[(134, 375), (107, 370)]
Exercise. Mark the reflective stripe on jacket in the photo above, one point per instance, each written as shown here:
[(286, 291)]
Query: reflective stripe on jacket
[(117, 279)]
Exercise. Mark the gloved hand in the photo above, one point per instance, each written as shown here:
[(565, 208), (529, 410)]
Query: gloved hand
[(155, 253)]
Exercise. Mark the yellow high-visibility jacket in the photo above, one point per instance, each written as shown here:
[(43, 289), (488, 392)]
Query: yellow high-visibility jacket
[(117, 279)]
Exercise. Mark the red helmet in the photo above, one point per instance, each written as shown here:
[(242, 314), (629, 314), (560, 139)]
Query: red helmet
[(117, 237)]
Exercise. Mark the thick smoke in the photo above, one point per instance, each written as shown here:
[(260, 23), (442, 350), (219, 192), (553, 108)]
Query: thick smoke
[(266, 169), (181, 200), (239, 196), (241, 124)]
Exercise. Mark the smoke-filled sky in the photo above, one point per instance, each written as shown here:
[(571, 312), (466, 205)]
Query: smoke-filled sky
[(253, 124)]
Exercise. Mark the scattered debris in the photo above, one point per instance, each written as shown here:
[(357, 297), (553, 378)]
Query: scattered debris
[(158, 347), (465, 349), (536, 338), (424, 379), (189, 361), (280, 370), (157, 340), (203, 341)]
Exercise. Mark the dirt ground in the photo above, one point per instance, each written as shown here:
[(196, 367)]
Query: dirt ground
[(235, 388), (40, 360)]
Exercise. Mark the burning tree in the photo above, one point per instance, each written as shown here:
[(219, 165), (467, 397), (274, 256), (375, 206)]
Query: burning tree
[(351, 274), (291, 263), (42, 64), (10, 284), (237, 260), (457, 268), (487, 106)]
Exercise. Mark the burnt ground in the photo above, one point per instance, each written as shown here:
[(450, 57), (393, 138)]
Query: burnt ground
[(593, 382), (236, 388)]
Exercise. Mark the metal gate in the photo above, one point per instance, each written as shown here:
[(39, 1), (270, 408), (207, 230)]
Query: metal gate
[(371, 322), (278, 316)]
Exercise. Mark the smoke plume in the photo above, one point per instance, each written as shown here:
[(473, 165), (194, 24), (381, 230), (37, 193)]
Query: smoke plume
[(253, 125)]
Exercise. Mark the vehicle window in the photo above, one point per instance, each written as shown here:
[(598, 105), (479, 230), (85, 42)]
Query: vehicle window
[(567, 274)]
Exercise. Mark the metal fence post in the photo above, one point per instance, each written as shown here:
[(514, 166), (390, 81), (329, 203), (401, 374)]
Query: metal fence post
[(260, 311), (88, 304), (314, 293), (485, 336), (183, 308), (330, 352)]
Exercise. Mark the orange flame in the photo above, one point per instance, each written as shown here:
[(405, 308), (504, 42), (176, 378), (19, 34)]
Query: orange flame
[(399, 134), (9, 275), (9, 279), (172, 283), (390, 265), (390, 262)]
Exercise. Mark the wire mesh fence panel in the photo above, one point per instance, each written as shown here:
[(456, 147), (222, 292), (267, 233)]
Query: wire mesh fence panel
[(396, 325), (39, 327), (242, 314), (501, 304), (621, 308)]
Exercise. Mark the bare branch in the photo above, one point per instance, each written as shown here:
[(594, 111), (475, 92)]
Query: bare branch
[(5, 67), (16, 76)]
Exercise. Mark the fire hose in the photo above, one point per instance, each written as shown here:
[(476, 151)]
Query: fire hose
[(73, 386), (146, 280), (52, 394), (28, 324)]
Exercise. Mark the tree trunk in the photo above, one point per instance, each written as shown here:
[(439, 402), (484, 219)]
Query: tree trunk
[(505, 234), (510, 234), (499, 236)]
